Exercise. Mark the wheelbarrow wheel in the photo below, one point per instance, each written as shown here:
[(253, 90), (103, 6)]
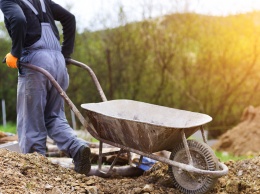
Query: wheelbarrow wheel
[(203, 158)]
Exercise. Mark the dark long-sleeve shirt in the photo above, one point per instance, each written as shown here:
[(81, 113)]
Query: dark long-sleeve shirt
[(24, 26)]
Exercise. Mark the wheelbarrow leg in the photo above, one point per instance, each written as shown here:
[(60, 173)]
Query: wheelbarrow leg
[(129, 156), (140, 160), (115, 160), (203, 134), (100, 155), (185, 143)]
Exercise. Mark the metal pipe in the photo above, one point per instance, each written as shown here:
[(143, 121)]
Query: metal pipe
[(186, 167), (115, 160)]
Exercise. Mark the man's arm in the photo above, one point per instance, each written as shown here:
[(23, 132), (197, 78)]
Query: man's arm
[(16, 25), (68, 23)]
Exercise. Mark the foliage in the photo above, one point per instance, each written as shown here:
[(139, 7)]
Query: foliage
[(188, 61), (8, 77)]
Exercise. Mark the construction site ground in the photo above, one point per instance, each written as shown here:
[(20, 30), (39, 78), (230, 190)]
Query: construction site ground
[(36, 174), (33, 173)]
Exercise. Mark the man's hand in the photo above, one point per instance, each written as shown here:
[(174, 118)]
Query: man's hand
[(11, 61), (67, 60)]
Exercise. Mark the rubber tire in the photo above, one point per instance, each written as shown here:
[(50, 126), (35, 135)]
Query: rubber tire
[(203, 158)]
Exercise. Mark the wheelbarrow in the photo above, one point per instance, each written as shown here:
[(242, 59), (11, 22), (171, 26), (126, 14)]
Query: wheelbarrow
[(144, 129)]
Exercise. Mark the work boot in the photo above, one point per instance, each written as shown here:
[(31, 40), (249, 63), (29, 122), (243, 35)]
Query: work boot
[(82, 160)]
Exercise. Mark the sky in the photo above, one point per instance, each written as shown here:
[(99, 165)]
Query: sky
[(97, 14), (93, 14)]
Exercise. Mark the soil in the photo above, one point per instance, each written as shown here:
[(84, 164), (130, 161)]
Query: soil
[(34, 173), (2, 134), (243, 139)]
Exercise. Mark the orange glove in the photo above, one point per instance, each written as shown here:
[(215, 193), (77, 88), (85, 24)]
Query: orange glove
[(11, 61)]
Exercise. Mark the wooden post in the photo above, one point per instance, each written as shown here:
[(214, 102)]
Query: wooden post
[(4, 112)]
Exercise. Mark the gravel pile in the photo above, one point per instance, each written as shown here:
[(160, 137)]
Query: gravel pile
[(35, 174)]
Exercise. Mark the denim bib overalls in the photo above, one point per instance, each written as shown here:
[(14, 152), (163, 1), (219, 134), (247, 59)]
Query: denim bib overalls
[(40, 108)]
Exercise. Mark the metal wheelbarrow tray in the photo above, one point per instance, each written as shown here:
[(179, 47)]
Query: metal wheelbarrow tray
[(138, 125), (144, 129)]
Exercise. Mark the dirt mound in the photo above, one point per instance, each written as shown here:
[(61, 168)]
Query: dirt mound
[(243, 139), (33, 173), (243, 177)]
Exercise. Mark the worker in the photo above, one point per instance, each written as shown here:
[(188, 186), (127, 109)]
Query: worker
[(40, 108)]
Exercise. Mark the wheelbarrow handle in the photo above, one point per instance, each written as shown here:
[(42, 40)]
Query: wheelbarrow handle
[(63, 94), (92, 74)]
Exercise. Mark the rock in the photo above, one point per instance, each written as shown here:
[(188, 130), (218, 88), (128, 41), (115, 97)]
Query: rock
[(55, 191), (232, 186), (240, 173), (48, 187), (148, 188), (92, 190)]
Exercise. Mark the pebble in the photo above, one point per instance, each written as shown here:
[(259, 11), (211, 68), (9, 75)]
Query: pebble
[(240, 173), (148, 188), (48, 187)]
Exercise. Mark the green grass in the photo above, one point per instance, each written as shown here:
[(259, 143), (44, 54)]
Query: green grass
[(10, 128), (225, 156)]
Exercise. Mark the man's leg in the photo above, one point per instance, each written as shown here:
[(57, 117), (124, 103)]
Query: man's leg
[(31, 100), (56, 123)]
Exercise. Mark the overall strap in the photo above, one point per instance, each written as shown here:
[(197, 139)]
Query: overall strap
[(43, 6), (30, 5)]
